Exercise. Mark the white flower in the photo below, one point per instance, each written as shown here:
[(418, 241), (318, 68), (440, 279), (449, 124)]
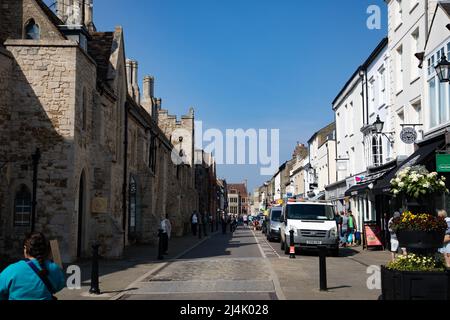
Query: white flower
[(442, 183), (426, 185), (401, 184), (398, 180)]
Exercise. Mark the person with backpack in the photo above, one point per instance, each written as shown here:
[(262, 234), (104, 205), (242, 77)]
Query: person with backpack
[(34, 278)]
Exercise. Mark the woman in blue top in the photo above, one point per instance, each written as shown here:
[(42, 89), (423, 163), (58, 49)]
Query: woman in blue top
[(25, 280)]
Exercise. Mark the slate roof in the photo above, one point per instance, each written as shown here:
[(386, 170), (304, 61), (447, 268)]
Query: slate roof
[(99, 48)]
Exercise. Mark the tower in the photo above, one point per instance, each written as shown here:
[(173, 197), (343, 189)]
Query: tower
[(76, 13)]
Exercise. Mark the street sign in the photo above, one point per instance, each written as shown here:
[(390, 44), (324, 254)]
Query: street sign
[(443, 162), (408, 135)]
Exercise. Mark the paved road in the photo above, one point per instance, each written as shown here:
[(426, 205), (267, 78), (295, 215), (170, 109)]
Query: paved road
[(226, 267)]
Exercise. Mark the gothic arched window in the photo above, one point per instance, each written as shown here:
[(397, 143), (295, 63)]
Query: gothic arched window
[(32, 30), (22, 207)]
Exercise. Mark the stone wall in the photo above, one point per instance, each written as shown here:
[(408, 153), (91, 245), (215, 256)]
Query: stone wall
[(42, 109), (5, 73), (14, 14)]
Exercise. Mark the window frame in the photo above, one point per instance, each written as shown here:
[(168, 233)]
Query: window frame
[(23, 189), (31, 22)]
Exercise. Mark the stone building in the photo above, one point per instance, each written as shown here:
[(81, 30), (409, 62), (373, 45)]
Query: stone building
[(238, 198), (206, 184), (82, 157)]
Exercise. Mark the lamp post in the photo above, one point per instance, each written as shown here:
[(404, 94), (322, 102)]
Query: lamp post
[(443, 69), (378, 125)]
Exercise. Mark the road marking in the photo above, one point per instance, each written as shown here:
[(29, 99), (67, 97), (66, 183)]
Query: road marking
[(276, 282)]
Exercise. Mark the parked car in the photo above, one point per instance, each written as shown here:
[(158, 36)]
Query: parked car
[(314, 225), (274, 224)]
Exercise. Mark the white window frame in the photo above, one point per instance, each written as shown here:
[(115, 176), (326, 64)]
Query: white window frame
[(441, 119)]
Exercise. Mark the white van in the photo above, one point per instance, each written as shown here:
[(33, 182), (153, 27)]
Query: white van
[(314, 225)]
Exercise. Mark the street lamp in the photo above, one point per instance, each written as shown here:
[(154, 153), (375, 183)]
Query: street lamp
[(378, 125), (443, 69)]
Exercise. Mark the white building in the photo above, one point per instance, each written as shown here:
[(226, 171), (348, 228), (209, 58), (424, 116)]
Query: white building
[(322, 161), (436, 116), (408, 28)]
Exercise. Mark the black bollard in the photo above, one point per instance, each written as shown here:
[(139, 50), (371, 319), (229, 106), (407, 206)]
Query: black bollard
[(212, 226), (200, 231), (94, 271), (323, 268), (160, 245), (205, 227), (292, 242)]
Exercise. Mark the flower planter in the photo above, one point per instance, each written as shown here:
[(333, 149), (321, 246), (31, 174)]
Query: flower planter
[(421, 240), (406, 285)]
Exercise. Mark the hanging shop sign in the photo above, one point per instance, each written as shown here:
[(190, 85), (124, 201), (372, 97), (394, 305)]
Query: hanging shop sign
[(408, 135), (443, 163)]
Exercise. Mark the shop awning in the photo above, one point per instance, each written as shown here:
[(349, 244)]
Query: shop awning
[(419, 157), (357, 189), (368, 183)]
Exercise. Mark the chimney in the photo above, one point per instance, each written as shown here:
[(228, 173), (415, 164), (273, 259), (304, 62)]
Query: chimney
[(89, 15), (147, 94), (137, 94), (129, 77)]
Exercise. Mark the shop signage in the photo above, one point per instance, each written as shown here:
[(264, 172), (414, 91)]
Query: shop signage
[(443, 162), (372, 235), (408, 135)]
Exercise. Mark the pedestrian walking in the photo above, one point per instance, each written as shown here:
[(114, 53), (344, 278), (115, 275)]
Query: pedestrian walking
[(352, 228), (393, 235), (166, 228), (344, 229), (194, 223), (223, 220), (232, 219), (245, 218), (36, 277), (445, 250)]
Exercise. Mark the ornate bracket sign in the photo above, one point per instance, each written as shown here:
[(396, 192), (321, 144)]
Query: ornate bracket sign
[(408, 135)]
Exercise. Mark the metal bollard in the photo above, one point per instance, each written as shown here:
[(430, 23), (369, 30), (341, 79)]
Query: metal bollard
[(94, 271), (323, 268), (160, 245), (292, 243), (200, 231), (205, 227)]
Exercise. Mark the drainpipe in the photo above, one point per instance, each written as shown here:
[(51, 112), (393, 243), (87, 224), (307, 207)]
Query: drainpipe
[(367, 96), (363, 94), (125, 176), (36, 157)]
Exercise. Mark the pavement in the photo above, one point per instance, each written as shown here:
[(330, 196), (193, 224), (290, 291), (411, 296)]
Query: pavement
[(239, 266), (116, 275)]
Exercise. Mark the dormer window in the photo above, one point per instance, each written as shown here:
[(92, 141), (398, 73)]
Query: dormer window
[(32, 30)]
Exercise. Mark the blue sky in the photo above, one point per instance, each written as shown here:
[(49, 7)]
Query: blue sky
[(247, 63)]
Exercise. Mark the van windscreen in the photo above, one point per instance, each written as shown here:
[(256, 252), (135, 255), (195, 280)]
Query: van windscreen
[(276, 214), (310, 212)]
